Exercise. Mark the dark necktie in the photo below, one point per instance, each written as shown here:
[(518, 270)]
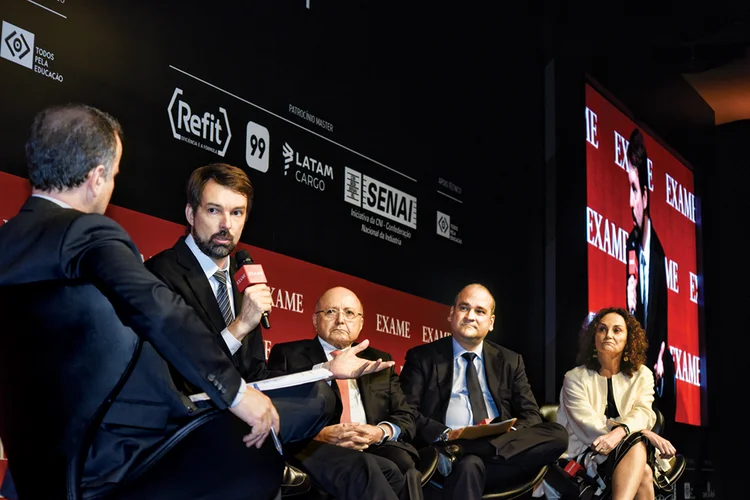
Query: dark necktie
[(476, 398), (223, 297)]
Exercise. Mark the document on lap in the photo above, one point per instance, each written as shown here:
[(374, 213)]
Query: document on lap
[(280, 382), (486, 430)]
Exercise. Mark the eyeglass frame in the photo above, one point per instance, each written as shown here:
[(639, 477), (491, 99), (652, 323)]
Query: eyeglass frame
[(339, 311)]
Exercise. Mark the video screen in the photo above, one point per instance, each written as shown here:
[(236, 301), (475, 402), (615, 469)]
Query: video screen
[(641, 216)]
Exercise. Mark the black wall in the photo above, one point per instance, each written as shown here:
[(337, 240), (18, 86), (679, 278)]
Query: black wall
[(435, 91), (429, 91)]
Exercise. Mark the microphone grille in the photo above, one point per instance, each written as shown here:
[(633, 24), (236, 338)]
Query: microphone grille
[(243, 258)]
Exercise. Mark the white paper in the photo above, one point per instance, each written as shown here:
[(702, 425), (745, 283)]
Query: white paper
[(280, 382)]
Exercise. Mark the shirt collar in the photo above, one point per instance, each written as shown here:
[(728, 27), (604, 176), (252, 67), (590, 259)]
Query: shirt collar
[(458, 350), (53, 200), (207, 264), (328, 348)]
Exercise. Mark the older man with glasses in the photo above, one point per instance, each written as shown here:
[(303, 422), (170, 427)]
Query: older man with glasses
[(372, 414)]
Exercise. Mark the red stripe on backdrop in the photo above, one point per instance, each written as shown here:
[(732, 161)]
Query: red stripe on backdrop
[(394, 321)]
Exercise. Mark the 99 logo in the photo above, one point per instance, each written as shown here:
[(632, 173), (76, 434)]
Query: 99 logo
[(256, 147)]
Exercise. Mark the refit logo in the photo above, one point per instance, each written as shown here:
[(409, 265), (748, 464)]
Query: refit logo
[(209, 130), (17, 45)]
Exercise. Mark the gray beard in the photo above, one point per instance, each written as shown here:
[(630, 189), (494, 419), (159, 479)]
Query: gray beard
[(211, 249)]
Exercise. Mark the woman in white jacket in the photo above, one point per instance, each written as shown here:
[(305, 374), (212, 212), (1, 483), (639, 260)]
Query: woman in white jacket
[(606, 406)]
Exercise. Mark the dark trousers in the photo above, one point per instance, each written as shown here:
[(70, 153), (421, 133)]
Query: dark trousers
[(489, 464), (211, 463), (303, 410), (348, 474), (406, 464)]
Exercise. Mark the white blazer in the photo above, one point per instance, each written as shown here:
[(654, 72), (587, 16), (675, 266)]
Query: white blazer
[(583, 399)]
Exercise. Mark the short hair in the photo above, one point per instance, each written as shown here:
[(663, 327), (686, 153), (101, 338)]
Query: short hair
[(639, 159), (223, 174), (635, 345), (66, 142), (455, 299)]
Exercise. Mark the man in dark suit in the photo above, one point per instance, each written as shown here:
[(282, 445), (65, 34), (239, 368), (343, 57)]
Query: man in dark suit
[(372, 414), (464, 380), (200, 269), (73, 285), (219, 197), (81, 276), (647, 287)]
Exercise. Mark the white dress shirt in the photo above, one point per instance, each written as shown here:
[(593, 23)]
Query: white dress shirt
[(209, 267), (53, 200), (645, 269), (459, 413)]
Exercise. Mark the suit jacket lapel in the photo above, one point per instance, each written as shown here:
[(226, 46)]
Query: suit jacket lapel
[(196, 280), (314, 351), (444, 371), (492, 371), (235, 292), (364, 382)]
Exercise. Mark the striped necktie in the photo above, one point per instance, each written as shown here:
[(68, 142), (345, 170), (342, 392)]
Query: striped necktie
[(223, 297)]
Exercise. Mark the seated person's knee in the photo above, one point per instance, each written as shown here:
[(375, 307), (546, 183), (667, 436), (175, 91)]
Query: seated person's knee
[(648, 475), (469, 463)]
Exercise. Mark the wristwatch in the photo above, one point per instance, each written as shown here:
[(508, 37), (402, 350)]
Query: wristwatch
[(443, 438), (385, 434)]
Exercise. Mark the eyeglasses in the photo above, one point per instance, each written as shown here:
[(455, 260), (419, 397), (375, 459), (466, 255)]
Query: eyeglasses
[(333, 313)]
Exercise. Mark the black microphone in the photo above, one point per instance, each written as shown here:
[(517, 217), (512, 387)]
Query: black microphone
[(250, 273)]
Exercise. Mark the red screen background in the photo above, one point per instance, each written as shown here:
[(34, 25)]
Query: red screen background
[(608, 204)]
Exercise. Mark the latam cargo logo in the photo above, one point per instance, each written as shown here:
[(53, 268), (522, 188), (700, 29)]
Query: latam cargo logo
[(208, 129), (378, 197), (17, 45), (307, 170)]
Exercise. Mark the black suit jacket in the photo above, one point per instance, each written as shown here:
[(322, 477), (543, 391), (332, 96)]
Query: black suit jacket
[(382, 397), (178, 268), (88, 268), (656, 322), (427, 379)]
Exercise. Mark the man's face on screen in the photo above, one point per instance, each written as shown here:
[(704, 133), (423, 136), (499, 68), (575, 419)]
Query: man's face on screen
[(218, 221), (472, 317), (638, 199)]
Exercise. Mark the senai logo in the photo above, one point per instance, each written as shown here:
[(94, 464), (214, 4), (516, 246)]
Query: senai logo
[(380, 198)]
